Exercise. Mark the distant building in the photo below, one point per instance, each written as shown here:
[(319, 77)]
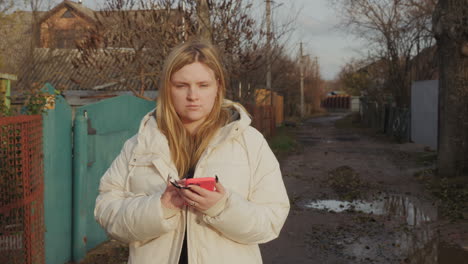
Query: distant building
[(69, 23), (65, 25), (56, 57), (335, 93)]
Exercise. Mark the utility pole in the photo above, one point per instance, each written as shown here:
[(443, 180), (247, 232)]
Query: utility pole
[(268, 53), (302, 81)]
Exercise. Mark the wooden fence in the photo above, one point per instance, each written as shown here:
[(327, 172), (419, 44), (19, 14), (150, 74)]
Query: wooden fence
[(263, 118)]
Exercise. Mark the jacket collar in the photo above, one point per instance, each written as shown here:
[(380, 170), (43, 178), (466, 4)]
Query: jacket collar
[(152, 140), (235, 128)]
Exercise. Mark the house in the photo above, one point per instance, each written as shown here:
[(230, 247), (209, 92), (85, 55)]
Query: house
[(70, 23), (66, 24), (109, 66)]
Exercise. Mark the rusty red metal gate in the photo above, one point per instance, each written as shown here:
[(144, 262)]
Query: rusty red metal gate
[(21, 190)]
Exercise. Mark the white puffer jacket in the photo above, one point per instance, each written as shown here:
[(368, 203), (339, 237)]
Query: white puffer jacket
[(129, 207)]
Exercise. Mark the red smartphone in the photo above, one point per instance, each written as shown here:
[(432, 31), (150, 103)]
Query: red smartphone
[(206, 182)]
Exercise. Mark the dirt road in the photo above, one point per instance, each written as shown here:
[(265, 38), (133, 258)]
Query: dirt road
[(355, 200)]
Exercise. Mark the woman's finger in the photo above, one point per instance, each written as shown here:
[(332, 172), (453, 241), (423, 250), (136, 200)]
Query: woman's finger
[(199, 190), (193, 196), (190, 202), (220, 188)]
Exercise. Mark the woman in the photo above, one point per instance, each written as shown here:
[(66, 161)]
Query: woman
[(194, 132)]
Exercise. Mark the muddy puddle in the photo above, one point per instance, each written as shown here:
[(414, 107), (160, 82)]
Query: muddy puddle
[(308, 139), (412, 237), (330, 118)]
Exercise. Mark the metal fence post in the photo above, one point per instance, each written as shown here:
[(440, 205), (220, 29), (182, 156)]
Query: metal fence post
[(57, 149), (79, 187)]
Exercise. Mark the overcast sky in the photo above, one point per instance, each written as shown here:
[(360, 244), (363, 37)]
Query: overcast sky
[(316, 27)]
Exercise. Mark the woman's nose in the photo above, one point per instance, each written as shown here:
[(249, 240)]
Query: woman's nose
[(192, 93)]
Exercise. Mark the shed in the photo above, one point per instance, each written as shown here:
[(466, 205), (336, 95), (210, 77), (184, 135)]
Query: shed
[(5, 88)]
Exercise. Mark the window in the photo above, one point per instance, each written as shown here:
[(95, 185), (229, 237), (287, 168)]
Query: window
[(65, 39), (68, 14)]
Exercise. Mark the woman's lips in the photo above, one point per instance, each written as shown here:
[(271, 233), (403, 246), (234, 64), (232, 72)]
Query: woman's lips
[(193, 107)]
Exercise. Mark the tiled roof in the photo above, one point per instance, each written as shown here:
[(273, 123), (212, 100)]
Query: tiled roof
[(57, 66), (82, 9), (78, 8)]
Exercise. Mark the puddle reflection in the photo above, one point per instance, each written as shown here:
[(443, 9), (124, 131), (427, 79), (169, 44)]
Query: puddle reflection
[(414, 211), (416, 244)]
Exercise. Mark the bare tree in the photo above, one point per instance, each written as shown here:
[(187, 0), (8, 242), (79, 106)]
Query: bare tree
[(203, 16), (353, 79), (5, 6), (314, 85), (365, 77), (396, 31), (129, 43), (136, 43), (22, 30), (451, 31)]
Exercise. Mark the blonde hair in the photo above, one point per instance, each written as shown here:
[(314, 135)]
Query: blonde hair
[(186, 149)]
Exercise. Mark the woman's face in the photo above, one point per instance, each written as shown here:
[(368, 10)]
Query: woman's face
[(193, 91)]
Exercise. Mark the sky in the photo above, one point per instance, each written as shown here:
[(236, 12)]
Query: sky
[(316, 26)]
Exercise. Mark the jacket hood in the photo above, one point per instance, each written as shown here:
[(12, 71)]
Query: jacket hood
[(151, 140)]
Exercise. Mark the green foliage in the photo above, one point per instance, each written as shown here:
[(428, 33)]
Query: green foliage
[(4, 110), (35, 103), (355, 82), (283, 141)]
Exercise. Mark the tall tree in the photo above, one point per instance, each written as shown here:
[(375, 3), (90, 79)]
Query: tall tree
[(5, 6), (204, 25), (135, 43), (451, 31), (396, 31)]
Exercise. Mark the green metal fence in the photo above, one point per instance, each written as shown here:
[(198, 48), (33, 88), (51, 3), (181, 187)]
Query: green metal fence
[(75, 159), (100, 132), (57, 140)]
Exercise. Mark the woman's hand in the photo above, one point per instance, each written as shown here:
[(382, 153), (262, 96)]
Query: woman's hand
[(172, 199), (200, 198)]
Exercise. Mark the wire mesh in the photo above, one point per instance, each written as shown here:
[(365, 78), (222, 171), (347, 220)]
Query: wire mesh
[(21, 190)]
